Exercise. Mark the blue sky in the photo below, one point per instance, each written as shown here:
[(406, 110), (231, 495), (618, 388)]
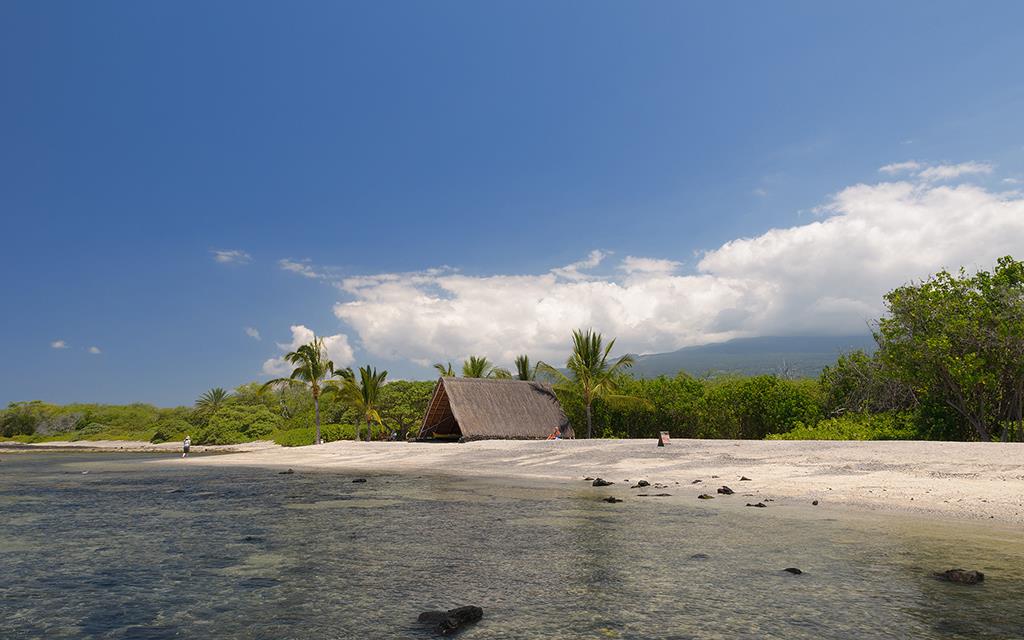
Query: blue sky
[(458, 156)]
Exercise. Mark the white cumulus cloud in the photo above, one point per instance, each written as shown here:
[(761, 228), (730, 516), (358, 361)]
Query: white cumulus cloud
[(952, 171), (253, 333), (307, 269), (826, 276), (575, 270), (58, 344), (337, 347), (900, 167), (95, 351), (230, 256), (634, 265), (937, 172)]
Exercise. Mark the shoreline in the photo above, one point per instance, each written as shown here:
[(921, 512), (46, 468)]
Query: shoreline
[(129, 446), (964, 481)]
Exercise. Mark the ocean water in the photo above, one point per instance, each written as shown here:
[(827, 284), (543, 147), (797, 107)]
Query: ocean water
[(115, 546)]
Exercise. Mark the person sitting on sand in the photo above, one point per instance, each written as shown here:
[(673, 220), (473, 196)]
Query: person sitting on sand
[(556, 434), (185, 446)]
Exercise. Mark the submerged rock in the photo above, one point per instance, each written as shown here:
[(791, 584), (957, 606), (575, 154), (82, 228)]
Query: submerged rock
[(759, 504), (705, 496), (448, 622), (700, 556), (793, 570), (359, 480), (961, 576), (726, 491), (598, 482), (286, 473), (611, 499)]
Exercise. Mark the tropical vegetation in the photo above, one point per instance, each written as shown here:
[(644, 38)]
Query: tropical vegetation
[(591, 376), (949, 366), (312, 371)]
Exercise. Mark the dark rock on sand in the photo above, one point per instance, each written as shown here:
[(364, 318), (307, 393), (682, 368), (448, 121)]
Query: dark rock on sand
[(814, 502), (744, 479), (587, 479), (759, 504), (725, 491), (286, 473), (705, 496), (359, 480), (447, 622), (642, 483), (961, 576), (793, 570), (612, 499), (598, 482), (696, 482)]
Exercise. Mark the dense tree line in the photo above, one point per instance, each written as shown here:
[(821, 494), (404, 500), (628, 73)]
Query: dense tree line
[(949, 365), (249, 413)]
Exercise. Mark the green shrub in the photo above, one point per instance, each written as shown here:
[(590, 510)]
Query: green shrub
[(856, 426), (303, 436), (237, 423), (91, 431), (16, 422)]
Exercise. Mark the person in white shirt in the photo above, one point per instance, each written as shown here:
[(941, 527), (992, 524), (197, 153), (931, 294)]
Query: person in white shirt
[(186, 445)]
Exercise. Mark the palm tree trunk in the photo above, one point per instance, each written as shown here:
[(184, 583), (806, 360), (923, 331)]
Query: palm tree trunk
[(358, 432), (368, 430), (590, 423), (316, 405)]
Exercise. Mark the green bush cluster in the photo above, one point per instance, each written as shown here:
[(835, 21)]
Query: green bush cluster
[(859, 426), (237, 423), (723, 407), (303, 436)]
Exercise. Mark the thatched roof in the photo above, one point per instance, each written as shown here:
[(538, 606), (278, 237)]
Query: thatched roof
[(483, 408)]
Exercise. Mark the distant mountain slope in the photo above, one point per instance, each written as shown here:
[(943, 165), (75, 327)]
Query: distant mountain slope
[(792, 356)]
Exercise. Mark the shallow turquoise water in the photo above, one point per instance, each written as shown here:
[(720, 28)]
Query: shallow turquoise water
[(137, 550)]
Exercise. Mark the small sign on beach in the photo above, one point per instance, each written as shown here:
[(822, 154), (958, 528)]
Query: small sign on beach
[(663, 439)]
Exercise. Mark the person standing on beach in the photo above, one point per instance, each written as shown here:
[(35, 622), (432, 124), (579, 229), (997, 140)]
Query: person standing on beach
[(185, 446)]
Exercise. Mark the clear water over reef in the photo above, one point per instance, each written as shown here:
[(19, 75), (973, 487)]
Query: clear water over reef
[(133, 549)]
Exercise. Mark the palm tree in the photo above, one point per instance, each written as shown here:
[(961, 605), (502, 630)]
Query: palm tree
[(481, 367), (312, 370), (445, 370), (212, 400), (592, 376), (477, 367), (523, 370), (362, 394)]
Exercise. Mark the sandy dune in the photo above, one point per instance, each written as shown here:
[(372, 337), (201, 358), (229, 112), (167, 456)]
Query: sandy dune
[(946, 479)]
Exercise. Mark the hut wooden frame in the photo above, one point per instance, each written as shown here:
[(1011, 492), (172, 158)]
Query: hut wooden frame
[(481, 408)]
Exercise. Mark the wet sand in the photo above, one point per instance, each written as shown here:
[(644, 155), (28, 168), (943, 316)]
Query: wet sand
[(961, 480)]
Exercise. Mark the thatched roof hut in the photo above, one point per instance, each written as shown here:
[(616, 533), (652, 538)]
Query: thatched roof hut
[(483, 408)]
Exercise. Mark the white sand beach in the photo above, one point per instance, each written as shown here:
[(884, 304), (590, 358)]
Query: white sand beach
[(968, 481)]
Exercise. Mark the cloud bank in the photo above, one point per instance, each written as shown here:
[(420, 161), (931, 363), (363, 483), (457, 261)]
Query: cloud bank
[(824, 277)]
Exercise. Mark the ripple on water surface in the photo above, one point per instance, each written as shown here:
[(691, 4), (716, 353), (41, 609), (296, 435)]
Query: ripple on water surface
[(135, 550)]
